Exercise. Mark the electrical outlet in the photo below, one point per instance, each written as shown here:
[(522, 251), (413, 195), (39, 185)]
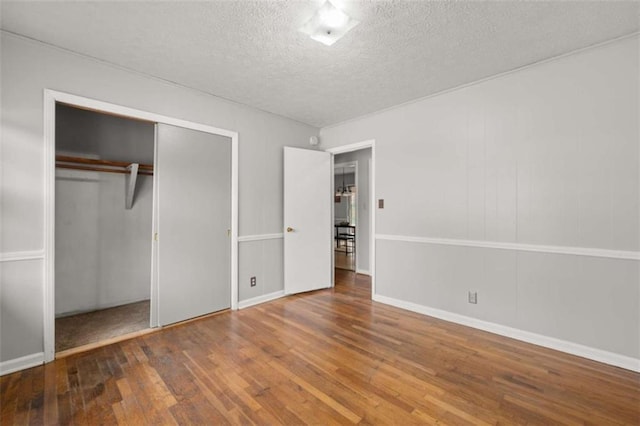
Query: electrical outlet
[(253, 281), (473, 297)]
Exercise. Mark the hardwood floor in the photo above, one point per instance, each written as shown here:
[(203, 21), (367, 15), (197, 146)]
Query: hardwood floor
[(345, 260), (326, 357), (96, 326)]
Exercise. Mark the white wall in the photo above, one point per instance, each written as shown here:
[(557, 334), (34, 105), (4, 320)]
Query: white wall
[(103, 251), (363, 230), (27, 69), (106, 136), (546, 156)]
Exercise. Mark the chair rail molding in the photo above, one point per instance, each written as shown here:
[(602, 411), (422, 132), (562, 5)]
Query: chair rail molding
[(16, 256), (576, 251), (260, 237)]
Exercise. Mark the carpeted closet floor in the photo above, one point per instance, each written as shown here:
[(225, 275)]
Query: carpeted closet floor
[(92, 327)]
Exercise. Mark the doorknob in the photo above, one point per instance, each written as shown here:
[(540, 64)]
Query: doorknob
[(289, 229)]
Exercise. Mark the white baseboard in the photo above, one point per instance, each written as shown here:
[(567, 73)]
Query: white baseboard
[(100, 307), (363, 272), (17, 364), (260, 299), (595, 354)]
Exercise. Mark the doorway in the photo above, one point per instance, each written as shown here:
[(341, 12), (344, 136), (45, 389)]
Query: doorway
[(353, 214), (309, 222), (179, 151)]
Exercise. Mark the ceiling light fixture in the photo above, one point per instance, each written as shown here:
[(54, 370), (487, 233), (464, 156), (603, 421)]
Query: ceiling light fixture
[(329, 24), (344, 190)]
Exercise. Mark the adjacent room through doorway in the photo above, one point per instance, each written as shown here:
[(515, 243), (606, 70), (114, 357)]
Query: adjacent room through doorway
[(352, 211), (345, 215)]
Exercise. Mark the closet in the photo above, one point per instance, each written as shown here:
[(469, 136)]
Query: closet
[(142, 225), (103, 223)]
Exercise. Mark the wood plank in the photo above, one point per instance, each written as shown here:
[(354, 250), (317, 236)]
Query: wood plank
[(9, 386), (50, 406)]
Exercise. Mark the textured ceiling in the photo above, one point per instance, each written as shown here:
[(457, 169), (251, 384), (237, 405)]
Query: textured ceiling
[(252, 52)]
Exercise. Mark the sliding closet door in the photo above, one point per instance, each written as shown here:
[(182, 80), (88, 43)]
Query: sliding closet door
[(194, 216)]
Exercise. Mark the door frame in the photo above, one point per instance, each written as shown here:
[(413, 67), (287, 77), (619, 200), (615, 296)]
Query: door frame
[(370, 143), (51, 97)]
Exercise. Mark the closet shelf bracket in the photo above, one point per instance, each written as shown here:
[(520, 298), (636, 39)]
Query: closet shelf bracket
[(130, 183)]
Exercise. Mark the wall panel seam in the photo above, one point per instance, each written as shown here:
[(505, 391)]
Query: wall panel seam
[(576, 251)]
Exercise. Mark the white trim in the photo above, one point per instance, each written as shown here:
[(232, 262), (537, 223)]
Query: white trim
[(576, 251), (50, 99), (332, 226), (588, 352), (363, 272), (351, 147), (260, 237), (49, 314), (372, 207), (344, 166), (17, 364), (234, 220), (98, 307), (154, 309), (261, 299), (16, 256), (135, 113), (370, 143)]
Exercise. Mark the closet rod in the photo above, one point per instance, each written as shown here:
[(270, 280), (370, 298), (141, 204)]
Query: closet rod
[(82, 160), (101, 169)]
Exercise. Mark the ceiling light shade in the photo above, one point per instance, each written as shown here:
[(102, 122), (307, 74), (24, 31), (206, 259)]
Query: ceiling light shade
[(328, 25), (344, 190)]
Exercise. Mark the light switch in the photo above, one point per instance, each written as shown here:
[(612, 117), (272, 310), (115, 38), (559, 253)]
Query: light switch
[(381, 203)]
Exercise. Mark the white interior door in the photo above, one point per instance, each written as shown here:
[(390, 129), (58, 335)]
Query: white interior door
[(193, 219), (308, 236)]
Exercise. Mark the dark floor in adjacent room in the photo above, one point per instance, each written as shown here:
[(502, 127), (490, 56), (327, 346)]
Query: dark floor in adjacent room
[(96, 326)]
